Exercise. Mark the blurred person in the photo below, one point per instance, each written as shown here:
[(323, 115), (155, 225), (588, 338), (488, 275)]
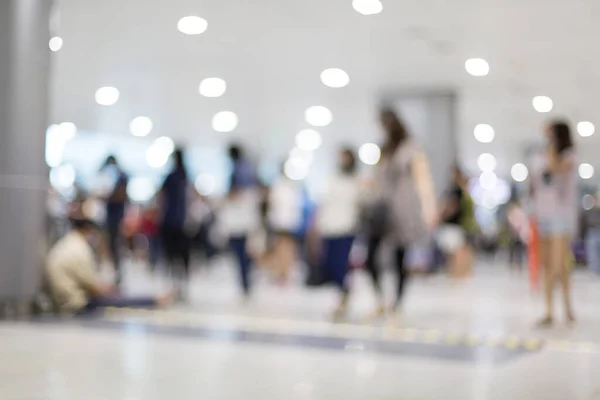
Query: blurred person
[(455, 235), (116, 202), (554, 184), (591, 234), (404, 207), (240, 213), (337, 222), (285, 219), (149, 228), (70, 266), (518, 234), (173, 200)]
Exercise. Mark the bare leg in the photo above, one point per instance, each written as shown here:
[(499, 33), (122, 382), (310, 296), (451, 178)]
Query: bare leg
[(546, 260), (563, 273)]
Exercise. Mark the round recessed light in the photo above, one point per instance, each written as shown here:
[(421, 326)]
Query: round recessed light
[(141, 189), (588, 202), (62, 177), (296, 169), (488, 180), (367, 7), (308, 139), (519, 172), (586, 171), (586, 129), (477, 67), (486, 162), (67, 130), (107, 96), (335, 78), (318, 116), (369, 153), (192, 25), (212, 87), (225, 121), (156, 157), (542, 104), (141, 126), (55, 43), (205, 184), (165, 144), (484, 133)]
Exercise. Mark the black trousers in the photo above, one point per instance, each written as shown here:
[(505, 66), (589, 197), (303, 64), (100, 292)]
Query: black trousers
[(176, 246), (113, 230), (373, 245)]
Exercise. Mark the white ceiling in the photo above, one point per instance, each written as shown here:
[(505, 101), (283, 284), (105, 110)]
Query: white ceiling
[(271, 53)]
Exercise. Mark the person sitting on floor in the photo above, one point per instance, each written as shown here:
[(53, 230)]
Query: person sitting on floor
[(70, 269)]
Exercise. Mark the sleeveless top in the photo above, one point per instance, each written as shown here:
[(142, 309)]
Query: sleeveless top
[(399, 192)]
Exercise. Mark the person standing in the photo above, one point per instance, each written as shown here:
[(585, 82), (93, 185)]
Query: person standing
[(406, 207), (337, 222), (240, 213), (115, 212), (554, 185), (173, 200)]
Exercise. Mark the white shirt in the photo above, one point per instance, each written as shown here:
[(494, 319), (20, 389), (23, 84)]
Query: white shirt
[(285, 206), (239, 215), (70, 271), (338, 214)]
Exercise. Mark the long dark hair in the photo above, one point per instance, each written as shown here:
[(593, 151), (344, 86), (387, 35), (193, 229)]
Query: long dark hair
[(561, 136), (179, 165), (395, 130)]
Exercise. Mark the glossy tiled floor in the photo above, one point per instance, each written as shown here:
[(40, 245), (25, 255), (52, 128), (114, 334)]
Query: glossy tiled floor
[(455, 340)]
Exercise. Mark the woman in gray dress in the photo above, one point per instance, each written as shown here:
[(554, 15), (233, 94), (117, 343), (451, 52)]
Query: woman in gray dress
[(407, 198)]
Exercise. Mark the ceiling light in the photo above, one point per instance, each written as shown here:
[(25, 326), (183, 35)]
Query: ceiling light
[(205, 184), (477, 67), (55, 43), (519, 172), (62, 177), (303, 156), (156, 157), (192, 25), (367, 7), (542, 104), (335, 78), (488, 180), (141, 126), (165, 144), (225, 121), (67, 130), (318, 116), (588, 202), (107, 96), (308, 139), (486, 162), (484, 133), (586, 171), (369, 153), (212, 87), (586, 129), (296, 169), (140, 189)]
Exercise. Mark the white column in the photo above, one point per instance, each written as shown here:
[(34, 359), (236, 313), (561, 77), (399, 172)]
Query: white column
[(24, 74)]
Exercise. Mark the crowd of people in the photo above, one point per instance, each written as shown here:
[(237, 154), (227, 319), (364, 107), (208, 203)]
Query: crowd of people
[(273, 226)]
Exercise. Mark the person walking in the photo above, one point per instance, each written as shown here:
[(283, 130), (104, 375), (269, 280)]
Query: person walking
[(554, 185), (405, 207), (115, 212), (337, 222), (173, 200)]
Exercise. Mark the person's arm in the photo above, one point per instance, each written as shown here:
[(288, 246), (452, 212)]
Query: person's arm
[(424, 183), (83, 273)]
